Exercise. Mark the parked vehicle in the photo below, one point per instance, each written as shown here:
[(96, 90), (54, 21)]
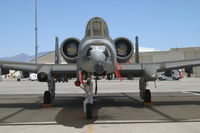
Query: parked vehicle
[(174, 75), (162, 77), (33, 77)]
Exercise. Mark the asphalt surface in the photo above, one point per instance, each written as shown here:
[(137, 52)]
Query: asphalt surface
[(117, 108)]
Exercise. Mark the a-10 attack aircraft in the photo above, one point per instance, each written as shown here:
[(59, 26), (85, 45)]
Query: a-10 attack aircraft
[(94, 57)]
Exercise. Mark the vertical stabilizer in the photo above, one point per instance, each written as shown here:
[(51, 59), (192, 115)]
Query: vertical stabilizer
[(136, 50), (57, 52)]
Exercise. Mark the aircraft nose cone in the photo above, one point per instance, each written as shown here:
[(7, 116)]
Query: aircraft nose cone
[(97, 56), (99, 69), (98, 60)]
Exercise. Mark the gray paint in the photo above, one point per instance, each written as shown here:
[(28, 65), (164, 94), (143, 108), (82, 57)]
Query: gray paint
[(99, 38), (136, 50)]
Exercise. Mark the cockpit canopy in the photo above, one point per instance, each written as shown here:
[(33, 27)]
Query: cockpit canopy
[(96, 27)]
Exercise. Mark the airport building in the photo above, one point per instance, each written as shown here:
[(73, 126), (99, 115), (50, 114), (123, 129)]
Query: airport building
[(172, 55), (149, 57)]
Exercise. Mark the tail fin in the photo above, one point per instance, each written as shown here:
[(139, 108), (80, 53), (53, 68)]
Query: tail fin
[(57, 52), (136, 50)]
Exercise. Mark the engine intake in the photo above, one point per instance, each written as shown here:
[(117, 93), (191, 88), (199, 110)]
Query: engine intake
[(69, 49), (124, 49)]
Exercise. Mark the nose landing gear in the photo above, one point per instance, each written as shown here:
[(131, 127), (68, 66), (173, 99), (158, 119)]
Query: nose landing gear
[(88, 102)]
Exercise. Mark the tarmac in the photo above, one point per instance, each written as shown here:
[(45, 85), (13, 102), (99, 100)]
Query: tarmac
[(117, 108)]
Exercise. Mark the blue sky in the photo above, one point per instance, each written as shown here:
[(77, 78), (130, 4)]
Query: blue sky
[(160, 24)]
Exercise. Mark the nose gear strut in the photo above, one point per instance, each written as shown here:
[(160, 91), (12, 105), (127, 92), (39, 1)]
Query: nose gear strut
[(88, 102)]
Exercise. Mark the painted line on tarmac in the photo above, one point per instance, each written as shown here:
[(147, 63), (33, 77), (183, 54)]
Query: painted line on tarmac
[(128, 121), (90, 125), (193, 93), (28, 123), (141, 121)]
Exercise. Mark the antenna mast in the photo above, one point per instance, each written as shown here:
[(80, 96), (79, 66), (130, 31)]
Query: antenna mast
[(36, 34)]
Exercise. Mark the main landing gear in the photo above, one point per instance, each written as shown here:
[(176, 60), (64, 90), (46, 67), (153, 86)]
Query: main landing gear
[(145, 94), (50, 94)]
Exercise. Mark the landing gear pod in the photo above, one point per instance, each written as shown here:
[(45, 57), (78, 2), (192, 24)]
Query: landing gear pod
[(124, 49), (42, 77), (69, 49)]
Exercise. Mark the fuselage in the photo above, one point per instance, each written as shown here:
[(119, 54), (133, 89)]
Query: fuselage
[(97, 52)]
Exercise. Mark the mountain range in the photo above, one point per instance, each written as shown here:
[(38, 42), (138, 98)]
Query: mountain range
[(22, 57)]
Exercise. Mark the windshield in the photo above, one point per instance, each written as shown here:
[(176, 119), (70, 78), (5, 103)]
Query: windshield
[(96, 27)]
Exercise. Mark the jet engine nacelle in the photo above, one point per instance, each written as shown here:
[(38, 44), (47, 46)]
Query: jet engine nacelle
[(69, 49), (124, 49)]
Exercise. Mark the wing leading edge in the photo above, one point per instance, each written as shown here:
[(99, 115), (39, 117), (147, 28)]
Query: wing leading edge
[(68, 69), (138, 70), (163, 66), (131, 70)]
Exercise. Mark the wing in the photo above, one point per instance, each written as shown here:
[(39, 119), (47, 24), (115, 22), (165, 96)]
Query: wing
[(163, 66), (55, 69), (19, 66), (131, 70), (69, 70), (150, 69)]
